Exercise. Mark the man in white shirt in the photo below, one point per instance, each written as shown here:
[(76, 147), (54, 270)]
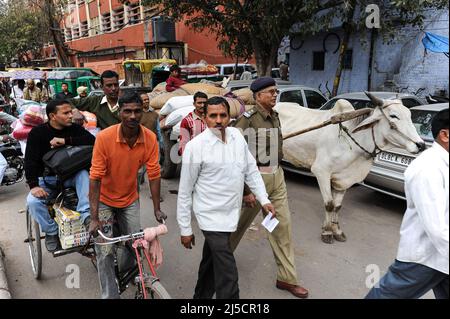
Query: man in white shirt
[(422, 261), (215, 166)]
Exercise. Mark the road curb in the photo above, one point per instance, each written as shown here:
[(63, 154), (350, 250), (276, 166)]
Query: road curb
[(4, 290)]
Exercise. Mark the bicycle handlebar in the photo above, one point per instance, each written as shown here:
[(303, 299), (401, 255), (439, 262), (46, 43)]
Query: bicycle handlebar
[(114, 240)]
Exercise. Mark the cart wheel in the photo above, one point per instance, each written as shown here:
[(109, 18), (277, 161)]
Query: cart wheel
[(34, 245)]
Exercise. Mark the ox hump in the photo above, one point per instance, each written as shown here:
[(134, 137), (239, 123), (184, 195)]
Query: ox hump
[(342, 106)]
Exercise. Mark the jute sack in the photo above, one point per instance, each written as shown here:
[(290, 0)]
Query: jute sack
[(236, 108), (160, 87), (193, 88), (159, 100), (246, 95)]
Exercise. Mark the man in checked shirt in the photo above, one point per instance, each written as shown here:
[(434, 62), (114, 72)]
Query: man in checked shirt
[(193, 124)]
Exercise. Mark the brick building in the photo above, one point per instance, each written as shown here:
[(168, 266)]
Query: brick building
[(102, 33)]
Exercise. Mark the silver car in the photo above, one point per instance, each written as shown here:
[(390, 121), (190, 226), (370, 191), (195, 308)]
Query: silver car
[(386, 175), (303, 95), (360, 100)]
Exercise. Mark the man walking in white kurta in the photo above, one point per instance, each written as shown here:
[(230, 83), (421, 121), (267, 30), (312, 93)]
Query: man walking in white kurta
[(215, 166)]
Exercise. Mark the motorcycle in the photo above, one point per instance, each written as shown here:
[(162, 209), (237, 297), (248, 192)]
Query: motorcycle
[(15, 171)]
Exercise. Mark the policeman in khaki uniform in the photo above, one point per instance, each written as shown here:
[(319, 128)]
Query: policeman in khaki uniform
[(261, 127)]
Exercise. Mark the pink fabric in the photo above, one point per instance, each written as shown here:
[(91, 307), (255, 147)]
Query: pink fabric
[(151, 243)]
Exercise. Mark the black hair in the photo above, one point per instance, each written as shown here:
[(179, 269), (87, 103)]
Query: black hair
[(200, 95), (216, 101), (52, 106), (174, 68), (65, 84), (108, 74), (130, 97), (439, 122)]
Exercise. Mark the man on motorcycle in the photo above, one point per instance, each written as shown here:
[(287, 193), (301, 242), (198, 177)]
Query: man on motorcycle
[(3, 139), (57, 132)]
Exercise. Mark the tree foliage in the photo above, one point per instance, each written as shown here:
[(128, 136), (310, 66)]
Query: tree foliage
[(21, 31), (247, 27), (27, 25)]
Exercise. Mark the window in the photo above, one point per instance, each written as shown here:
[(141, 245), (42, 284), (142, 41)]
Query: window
[(228, 70), (348, 60), (150, 12), (68, 34), (84, 30), (134, 14), (318, 61), (422, 122), (314, 99), (106, 22), (75, 32), (95, 26), (294, 96), (410, 103), (118, 19)]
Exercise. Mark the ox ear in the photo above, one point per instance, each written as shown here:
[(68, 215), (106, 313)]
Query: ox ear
[(367, 123)]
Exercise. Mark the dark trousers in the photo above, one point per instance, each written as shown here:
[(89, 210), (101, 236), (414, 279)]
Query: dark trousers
[(218, 272), (410, 281)]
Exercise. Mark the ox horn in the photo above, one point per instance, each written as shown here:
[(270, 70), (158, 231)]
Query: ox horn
[(376, 101)]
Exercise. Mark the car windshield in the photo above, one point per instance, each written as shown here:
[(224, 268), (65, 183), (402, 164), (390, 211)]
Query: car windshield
[(357, 104), (422, 122)]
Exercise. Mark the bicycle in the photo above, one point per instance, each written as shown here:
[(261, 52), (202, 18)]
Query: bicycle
[(147, 283)]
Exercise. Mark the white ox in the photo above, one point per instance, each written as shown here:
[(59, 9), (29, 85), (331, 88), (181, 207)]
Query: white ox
[(334, 157)]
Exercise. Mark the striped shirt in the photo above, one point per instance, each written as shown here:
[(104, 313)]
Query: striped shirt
[(191, 126)]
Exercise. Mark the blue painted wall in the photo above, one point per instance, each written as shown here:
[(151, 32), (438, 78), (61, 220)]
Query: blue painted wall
[(402, 63)]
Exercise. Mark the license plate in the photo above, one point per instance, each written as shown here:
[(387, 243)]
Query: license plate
[(396, 158)]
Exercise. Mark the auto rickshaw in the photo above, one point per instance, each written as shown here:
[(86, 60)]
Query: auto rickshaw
[(74, 77), (147, 73)]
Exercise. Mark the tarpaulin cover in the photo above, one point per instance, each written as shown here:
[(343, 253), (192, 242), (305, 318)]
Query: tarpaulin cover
[(435, 43), (25, 75)]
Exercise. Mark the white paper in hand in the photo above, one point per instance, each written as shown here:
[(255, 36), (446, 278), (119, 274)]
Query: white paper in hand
[(269, 223)]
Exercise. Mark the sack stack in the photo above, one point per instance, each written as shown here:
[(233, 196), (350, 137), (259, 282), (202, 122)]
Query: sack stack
[(72, 233)]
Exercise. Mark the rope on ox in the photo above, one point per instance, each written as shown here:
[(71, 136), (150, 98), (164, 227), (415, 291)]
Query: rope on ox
[(335, 119)]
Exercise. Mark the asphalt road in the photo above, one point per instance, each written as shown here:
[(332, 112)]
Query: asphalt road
[(370, 220)]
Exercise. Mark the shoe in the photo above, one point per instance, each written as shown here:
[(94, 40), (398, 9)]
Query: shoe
[(296, 290), (51, 242)]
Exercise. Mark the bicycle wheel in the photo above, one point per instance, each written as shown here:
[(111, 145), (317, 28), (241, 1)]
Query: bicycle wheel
[(157, 291), (34, 245)]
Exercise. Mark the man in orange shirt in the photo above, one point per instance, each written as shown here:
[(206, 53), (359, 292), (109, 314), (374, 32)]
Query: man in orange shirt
[(119, 151)]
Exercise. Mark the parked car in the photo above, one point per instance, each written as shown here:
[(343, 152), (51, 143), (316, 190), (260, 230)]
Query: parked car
[(228, 69), (360, 100), (234, 85), (303, 95), (386, 175)]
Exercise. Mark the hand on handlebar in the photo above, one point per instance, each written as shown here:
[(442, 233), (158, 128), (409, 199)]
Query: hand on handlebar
[(160, 216), (94, 227)]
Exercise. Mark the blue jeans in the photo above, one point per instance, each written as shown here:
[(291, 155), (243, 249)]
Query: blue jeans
[(38, 207), (410, 281), (128, 221)]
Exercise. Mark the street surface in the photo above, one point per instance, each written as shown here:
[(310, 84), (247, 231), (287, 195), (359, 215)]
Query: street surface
[(370, 220)]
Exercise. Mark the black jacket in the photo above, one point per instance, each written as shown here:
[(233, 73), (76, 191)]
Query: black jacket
[(38, 143)]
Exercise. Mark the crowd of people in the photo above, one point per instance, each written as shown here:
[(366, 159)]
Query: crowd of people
[(220, 174)]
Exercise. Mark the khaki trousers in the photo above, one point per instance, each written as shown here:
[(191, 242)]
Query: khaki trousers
[(281, 238)]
